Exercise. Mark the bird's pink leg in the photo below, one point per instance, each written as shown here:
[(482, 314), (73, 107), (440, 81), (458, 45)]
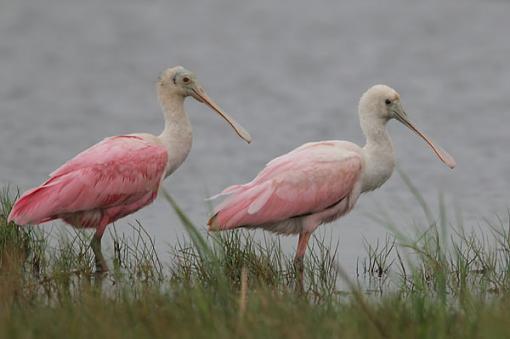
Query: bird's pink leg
[(95, 244), (299, 259)]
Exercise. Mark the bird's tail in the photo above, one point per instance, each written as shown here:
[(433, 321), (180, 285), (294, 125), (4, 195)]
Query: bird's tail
[(214, 223), (32, 207), (239, 207)]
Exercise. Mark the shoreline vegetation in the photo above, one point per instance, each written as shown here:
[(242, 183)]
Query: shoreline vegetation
[(441, 282)]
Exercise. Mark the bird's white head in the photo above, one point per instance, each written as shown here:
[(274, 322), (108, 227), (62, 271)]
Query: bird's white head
[(376, 101), (380, 103), (180, 81)]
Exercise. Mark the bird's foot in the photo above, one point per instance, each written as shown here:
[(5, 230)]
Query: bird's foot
[(101, 267), (100, 262), (299, 268)]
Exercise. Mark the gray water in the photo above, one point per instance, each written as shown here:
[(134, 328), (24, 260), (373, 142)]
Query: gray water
[(74, 72)]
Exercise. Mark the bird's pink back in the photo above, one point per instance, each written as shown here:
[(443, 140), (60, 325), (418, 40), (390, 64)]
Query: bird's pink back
[(309, 179), (117, 171)]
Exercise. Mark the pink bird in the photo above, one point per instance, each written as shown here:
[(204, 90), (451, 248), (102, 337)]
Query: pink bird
[(319, 182), (121, 174)]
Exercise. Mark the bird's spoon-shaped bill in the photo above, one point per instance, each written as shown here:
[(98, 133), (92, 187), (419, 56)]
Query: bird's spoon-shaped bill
[(199, 93), (441, 153)]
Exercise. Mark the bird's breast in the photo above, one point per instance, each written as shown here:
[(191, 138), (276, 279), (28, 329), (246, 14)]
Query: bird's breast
[(177, 153), (378, 169)]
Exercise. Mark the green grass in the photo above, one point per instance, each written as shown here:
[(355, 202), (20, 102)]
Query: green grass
[(438, 281)]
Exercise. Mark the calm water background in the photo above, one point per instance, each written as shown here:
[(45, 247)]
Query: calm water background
[(74, 72)]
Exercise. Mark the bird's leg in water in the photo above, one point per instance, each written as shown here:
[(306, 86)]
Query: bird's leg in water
[(299, 260), (95, 244)]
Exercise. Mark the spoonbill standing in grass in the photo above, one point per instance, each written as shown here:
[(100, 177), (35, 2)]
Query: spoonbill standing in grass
[(121, 174), (319, 182)]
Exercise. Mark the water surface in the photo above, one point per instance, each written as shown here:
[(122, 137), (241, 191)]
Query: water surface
[(74, 72)]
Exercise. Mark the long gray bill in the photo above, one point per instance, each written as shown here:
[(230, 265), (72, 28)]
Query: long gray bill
[(441, 153), (202, 96)]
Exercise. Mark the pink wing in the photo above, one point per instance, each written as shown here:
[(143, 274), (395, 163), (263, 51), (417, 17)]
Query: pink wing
[(309, 179), (117, 171)]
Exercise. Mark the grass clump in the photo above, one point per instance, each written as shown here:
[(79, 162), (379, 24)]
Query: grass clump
[(428, 285)]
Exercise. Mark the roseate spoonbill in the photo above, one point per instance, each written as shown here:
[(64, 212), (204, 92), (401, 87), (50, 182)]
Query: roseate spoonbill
[(319, 182), (120, 174)]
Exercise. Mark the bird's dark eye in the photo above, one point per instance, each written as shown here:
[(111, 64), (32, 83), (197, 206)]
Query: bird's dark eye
[(388, 101), (185, 80)]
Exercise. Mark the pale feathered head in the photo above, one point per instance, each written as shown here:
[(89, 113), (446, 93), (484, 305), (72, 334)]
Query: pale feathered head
[(382, 103), (178, 80)]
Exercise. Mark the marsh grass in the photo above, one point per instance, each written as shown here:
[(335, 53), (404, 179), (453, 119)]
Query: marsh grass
[(437, 280)]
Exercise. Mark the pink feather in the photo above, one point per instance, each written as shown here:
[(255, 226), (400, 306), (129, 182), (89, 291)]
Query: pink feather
[(113, 178), (304, 181)]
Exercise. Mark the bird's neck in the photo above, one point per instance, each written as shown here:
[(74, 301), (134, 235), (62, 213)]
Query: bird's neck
[(177, 135), (378, 153)]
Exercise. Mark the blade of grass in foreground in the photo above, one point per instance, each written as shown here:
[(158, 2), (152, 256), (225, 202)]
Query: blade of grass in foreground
[(197, 239), (209, 259), (417, 195)]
